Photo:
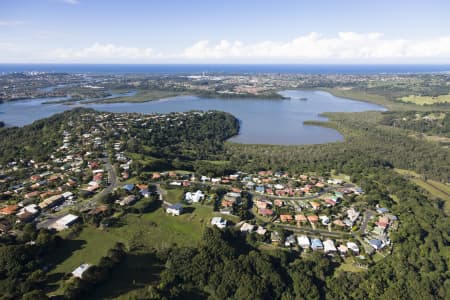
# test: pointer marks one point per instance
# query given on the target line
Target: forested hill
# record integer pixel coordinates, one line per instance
(179, 136)
(367, 141)
(432, 123)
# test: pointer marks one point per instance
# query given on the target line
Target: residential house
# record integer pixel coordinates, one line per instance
(194, 197)
(315, 205)
(352, 246)
(265, 212)
(303, 241)
(5, 226)
(128, 200)
(316, 244)
(286, 218)
(313, 219)
(339, 223)
(278, 203)
(261, 204)
(175, 210)
(261, 230)
(219, 222)
(376, 244)
(275, 237)
(259, 189)
(300, 218)
(289, 241)
(64, 222)
(342, 249)
(9, 210)
(328, 246)
(128, 187)
(247, 228)
(78, 272)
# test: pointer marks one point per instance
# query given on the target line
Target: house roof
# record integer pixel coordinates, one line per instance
(9, 210)
(376, 243)
(316, 243)
(176, 206)
(300, 218)
(265, 211)
(128, 187)
(313, 218)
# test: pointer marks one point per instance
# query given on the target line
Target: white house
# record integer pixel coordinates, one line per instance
(64, 222)
(352, 246)
(175, 210)
(219, 222)
(328, 246)
(290, 241)
(303, 241)
(31, 208)
(78, 272)
(67, 195)
(246, 227)
(194, 197)
(216, 180)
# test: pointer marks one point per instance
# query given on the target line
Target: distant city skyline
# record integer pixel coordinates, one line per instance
(194, 31)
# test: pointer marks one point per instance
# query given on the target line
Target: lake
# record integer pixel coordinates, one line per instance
(263, 121)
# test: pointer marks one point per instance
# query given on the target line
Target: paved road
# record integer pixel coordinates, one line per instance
(367, 215)
(112, 178)
(322, 232)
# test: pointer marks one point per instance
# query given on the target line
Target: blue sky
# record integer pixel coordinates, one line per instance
(245, 31)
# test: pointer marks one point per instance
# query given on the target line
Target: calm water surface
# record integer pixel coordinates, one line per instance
(263, 121)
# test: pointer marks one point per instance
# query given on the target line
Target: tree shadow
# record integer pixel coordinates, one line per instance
(136, 271)
(55, 257)
(188, 210)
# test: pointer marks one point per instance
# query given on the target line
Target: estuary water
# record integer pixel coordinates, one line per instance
(263, 121)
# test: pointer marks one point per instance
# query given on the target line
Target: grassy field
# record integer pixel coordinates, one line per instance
(426, 100)
(142, 233)
(138, 270)
(435, 188)
(173, 195)
(372, 98)
(349, 266)
(141, 96)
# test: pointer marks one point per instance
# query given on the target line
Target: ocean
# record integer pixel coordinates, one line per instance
(225, 68)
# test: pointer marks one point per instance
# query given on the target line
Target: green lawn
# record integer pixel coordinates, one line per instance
(173, 195)
(140, 232)
(426, 100)
(349, 266)
(137, 271)
(141, 96)
(435, 188)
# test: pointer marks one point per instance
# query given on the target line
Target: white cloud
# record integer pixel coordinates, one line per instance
(11, 23)
(103, 52)
(71, 1)
(344, 46)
